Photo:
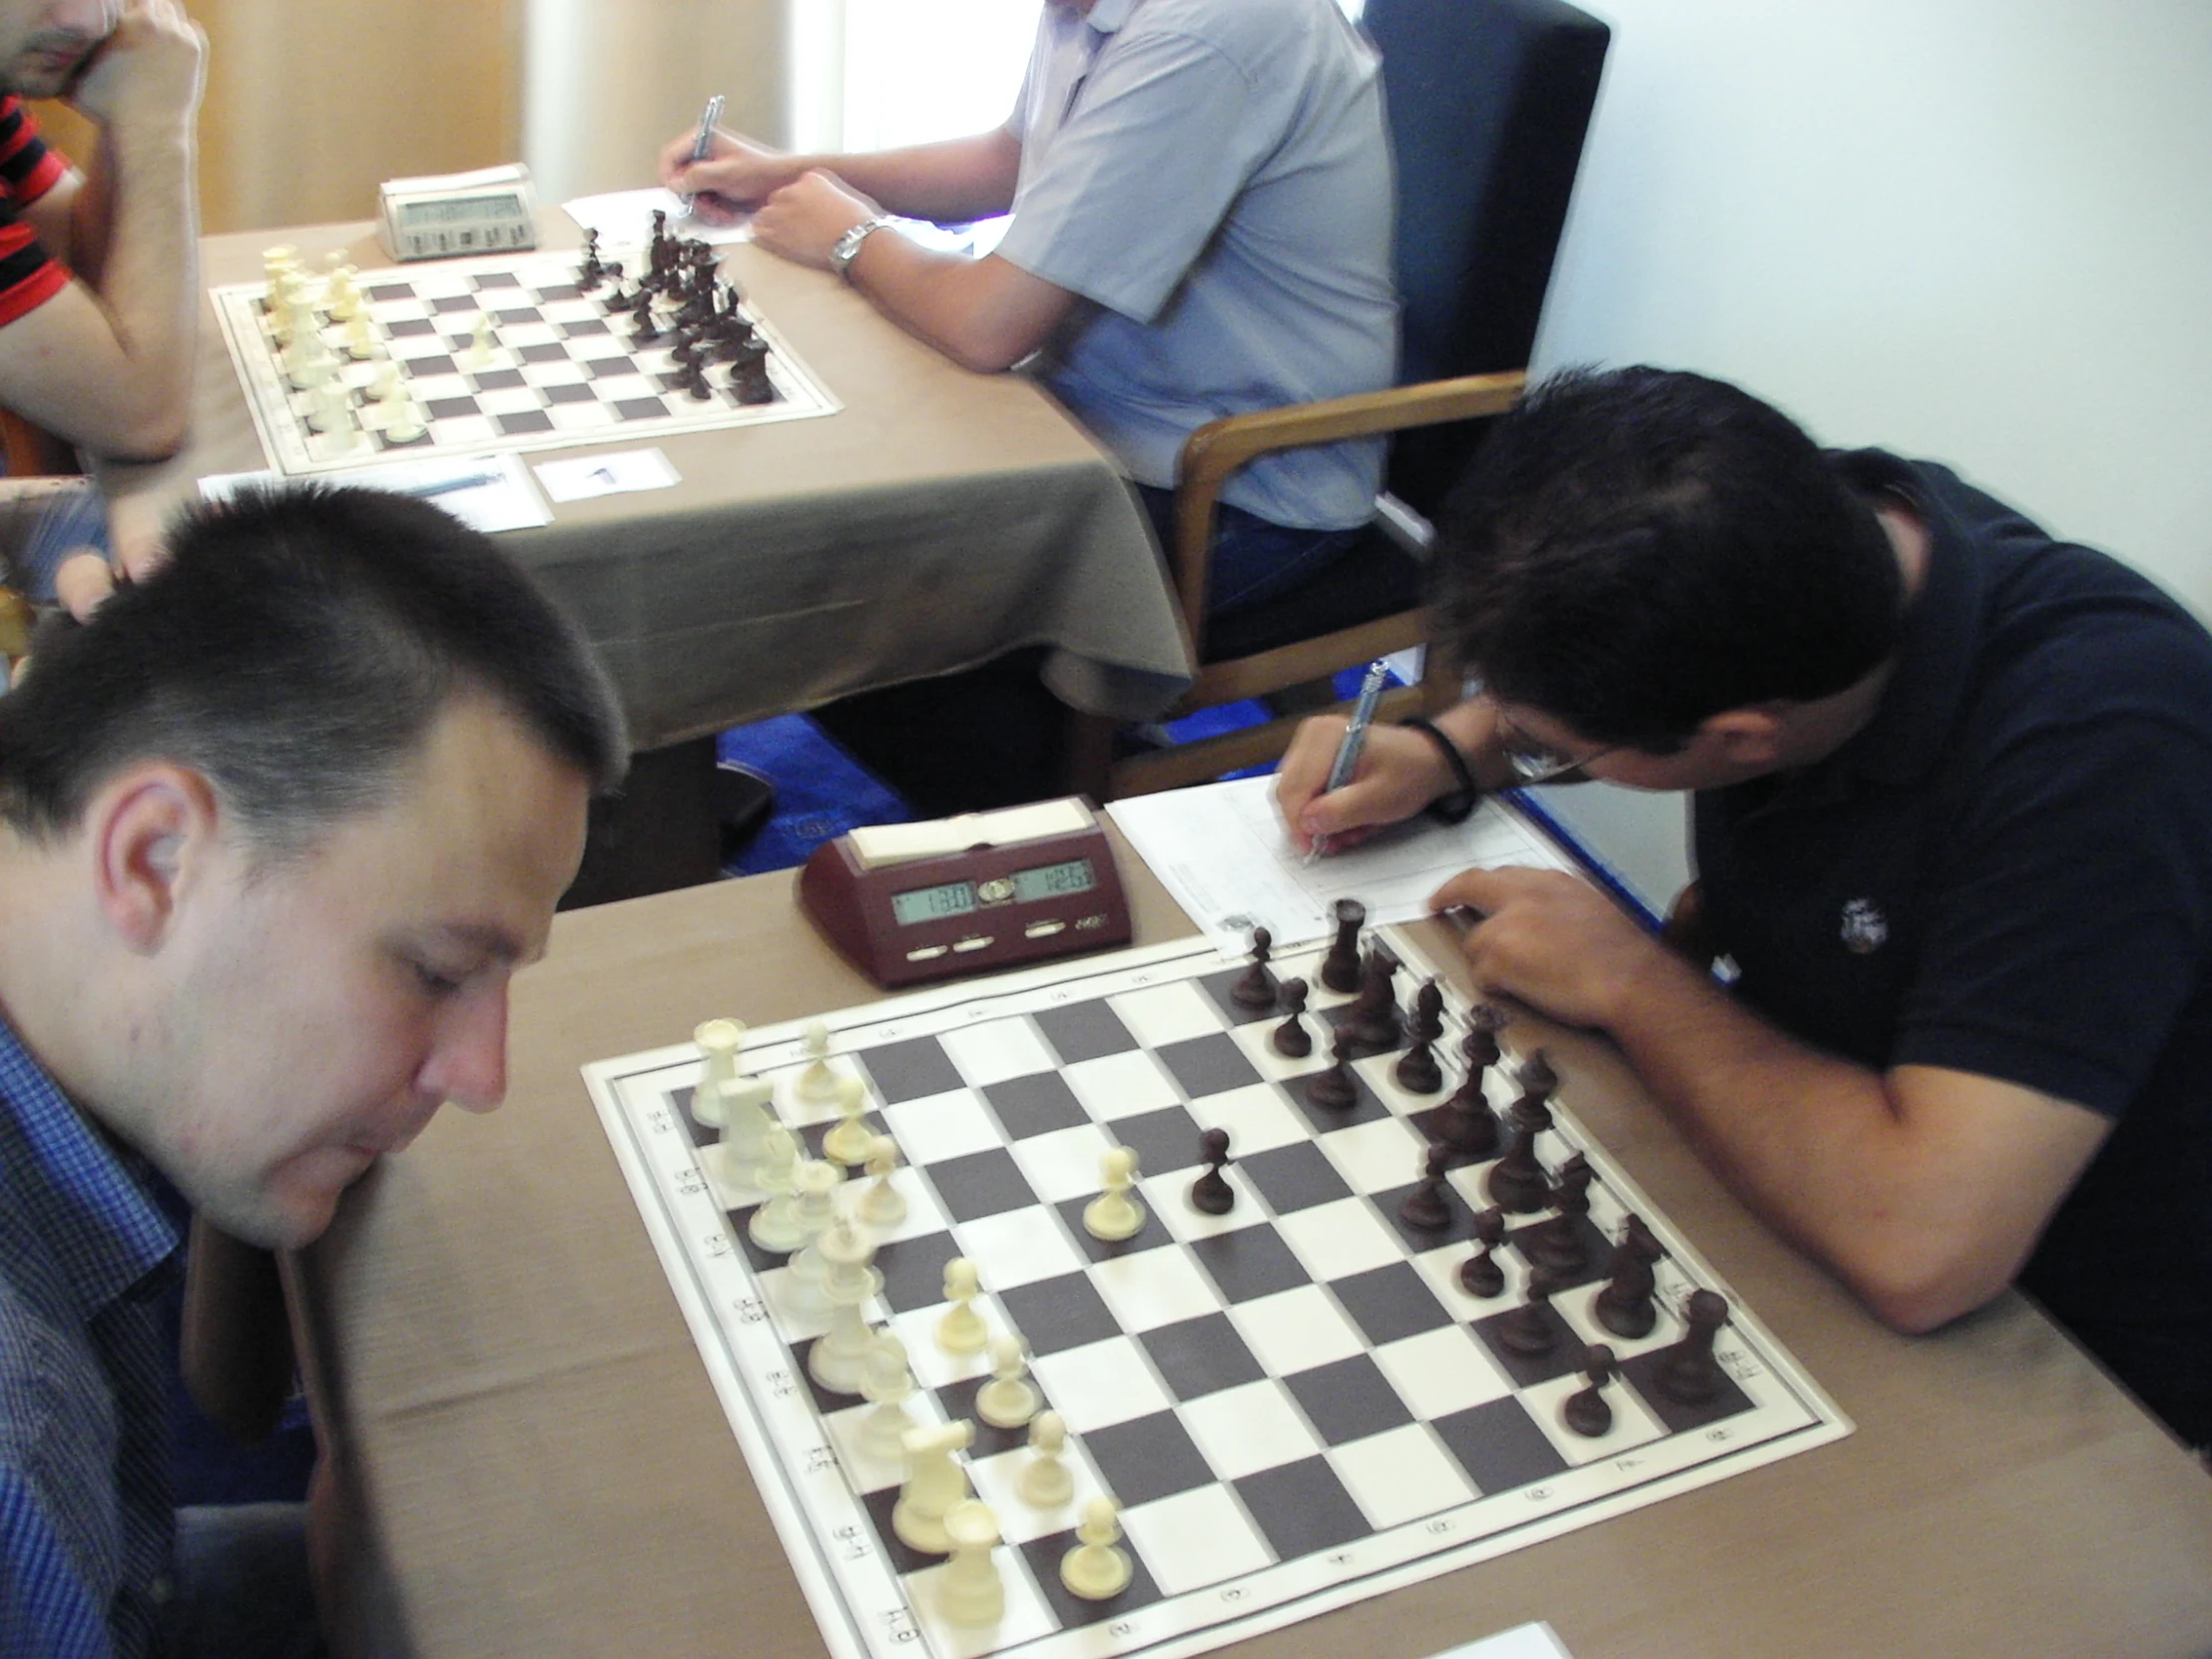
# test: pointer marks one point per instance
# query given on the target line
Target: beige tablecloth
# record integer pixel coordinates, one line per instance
(940, 519)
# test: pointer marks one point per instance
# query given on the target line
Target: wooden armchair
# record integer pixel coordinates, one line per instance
(1490, 102)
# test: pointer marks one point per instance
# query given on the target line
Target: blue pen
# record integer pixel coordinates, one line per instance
(1354, 740)
(703, 146)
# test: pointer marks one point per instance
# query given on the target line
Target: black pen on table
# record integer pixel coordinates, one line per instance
(1354, 740)
(703, 146)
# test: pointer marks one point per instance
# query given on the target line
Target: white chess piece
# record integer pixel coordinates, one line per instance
(719, 1042)
(839, 1361)
(737, 1159)
(405, 425)
(962, 1331)
(934, 1483)
(970, 1594)
(774, 1225)
(814, 1191)
(1097, 1568)
(385, 385)
(852, 1140)
(1114, 1214)
(480, 343)
(361, 340)
(1010, 1398)
(1045, 1481)
(882, 1204)
(817, 1084)
(886, 1385)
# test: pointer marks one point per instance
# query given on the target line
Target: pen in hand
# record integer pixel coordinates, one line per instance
(1355, 739)
(703, 146)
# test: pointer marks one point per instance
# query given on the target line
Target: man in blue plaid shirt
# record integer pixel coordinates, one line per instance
(276, 827)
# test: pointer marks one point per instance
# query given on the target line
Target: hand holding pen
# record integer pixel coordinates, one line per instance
(1354, 741)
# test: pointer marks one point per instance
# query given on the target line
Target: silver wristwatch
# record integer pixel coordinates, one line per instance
(847, 246)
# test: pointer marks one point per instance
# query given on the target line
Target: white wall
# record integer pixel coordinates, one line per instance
(1974, 230)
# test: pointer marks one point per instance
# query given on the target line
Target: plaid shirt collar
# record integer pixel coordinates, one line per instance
(89, 1197)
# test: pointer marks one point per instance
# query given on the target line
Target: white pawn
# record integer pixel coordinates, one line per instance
(852, 1140)
(718, 1040)
(1045, 1481)
(385, 385)
(882, 1204)
(479, 345)
(886, 1385)
(1010, 1398)
(405, 425)
(1114, 1214)
(814, 1191)
(970, 1594)
(962, 1331)
(361, 341)
(774, 1225)
(817, 1084)
(934, 1483)
(1097, 1568)
(839, 1361)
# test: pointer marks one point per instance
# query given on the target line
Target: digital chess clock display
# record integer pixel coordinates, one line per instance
(1023, 887)
(424, 213)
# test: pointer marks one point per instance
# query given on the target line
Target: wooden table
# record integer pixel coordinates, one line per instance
(942, 519)
(536, 1463)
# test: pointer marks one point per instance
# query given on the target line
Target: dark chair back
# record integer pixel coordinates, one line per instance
(1489, 101)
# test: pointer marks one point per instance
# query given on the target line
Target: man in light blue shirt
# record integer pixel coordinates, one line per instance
(1201, 206)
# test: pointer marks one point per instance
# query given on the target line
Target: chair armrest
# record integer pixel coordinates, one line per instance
(1220, 447)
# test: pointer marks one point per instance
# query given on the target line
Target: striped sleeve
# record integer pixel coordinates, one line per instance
(29, 275)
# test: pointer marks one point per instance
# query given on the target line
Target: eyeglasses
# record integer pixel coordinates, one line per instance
(1533, 762)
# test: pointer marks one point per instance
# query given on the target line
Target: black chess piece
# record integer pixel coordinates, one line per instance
(1426, 1206)
(1427, 1023)
(1416, 1070)
(1334, 1090)
(1517, 1182)
(1539, 1082)
(693, 381)
(1560, 1242)
(1625, 1306)
(590, 273)
(1291, 1040)
(1211, 1193)
(1479, 1274)
(1587, 1411)
(1373, 1017)
(1532, 1330)
(1688, 1372)
(1340, 970)
(1255, 989)
(751, 384)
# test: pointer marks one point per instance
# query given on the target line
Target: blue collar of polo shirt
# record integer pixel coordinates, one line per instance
(1108, 16)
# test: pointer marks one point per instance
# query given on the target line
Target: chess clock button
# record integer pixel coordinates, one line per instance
(1043, 930)
(978, 943)
(928, 953)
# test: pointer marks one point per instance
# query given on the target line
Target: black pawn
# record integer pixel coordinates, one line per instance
(1211, 1193)
(1417, 1071)
(1256, 990)
(1334, 1090)
(1372, 1018)
(1340, 970)
(751, 384)
(1688, 1373)
(1625, 1306)
(1426, 1207)
(1517, 1182)
(694, 382)
(1292, 1040)
(1532, 1330)
(1586, 1410)
(1427, 1023)
(1560, 1243)
(1479, 1274)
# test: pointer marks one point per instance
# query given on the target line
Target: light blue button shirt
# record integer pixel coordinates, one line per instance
(1215, 177)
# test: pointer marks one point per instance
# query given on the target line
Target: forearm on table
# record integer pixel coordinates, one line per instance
(985, 315)
(950, 183)
(1831, 1154)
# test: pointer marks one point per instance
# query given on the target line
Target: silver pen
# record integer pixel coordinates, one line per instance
(703, 146)
(1354, 740)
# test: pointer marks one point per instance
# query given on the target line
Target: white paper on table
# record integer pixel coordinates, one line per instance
(485, 492)
(1527, 1642)
(589, 475)
(624, 219)
(1222, 852)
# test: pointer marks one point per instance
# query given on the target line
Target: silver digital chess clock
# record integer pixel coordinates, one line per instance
(491, 211)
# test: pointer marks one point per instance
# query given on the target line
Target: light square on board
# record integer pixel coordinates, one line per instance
(1337, 1239)
(463, 432)
(931, 1366)
(1295, 1330)
(1099, 1384)
(997, 1050)
(1069, 1163)
(1441, 1372)
(507, 400)
(1026, 1617)
(1196, 1538)
(1256, 1119)
(1162, 1014)
(998, 1484)
(1633, 1425)
(1375, 1156)
(1017, 1247)
(1399, 1475)
(943, 1126)
(1153, 1288)
(1245, 1430)
(1258, 1044)
(581, 416)
(1169, 1198)
(1120, 1085)
(866, 1473)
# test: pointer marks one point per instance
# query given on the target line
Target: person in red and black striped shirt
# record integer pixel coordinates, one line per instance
(98, 269)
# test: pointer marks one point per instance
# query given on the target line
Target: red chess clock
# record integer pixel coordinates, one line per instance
(910, 902)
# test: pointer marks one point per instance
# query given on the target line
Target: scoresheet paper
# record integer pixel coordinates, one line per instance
(1221, 851)
(1527, 1641)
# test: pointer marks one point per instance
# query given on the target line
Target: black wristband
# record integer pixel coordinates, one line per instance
(1458, 805)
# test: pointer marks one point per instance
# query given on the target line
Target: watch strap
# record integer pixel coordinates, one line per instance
(847, 246)
(1457, 805)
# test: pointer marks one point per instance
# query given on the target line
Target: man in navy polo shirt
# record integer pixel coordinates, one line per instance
(1954, 826)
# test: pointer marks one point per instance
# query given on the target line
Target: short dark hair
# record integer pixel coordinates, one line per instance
(296, 647)
(1635, 551)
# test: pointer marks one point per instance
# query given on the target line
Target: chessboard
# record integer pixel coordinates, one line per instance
(1275, 1395)
(343, 368)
